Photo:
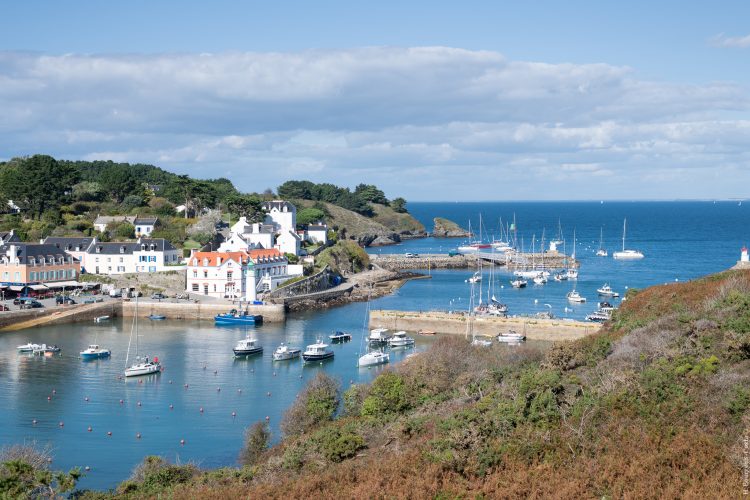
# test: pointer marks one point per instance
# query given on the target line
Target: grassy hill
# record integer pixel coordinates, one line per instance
(654, 405)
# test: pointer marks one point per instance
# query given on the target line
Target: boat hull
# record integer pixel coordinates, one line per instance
(285, 356)
(87, 356)
(339, 339)
(227, 319)
(138, 370)
(373, 359)
(317, 357)
(247, 352)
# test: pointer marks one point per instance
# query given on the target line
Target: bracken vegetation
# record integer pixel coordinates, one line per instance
(655, 405)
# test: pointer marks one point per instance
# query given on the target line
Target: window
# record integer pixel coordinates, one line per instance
(122, 259)
(18, 277)
(152, 269)
(72, 273)
(205, 274)
(229, 275)
(122, 249)
(138, 229)
(32, 276)
(214, 288)
(5, 276)
(195, 274)
(96, 259)
(109, 259)
(205, 289)
(195, 287)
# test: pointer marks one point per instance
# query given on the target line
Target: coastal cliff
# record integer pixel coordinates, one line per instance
(444, 228)
(656, 402)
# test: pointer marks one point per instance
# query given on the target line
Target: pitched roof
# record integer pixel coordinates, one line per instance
(279, 205)
(212, 258)
(106, 219)
(317, 227)
(265, 254)
(148, 221)
(7, 236)
(25, 251)
(128, 247)
(69, 243)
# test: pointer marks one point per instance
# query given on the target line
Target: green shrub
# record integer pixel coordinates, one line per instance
(739, 402)
(293, 458)
(316, 404)
(257, 437)
(338, 443)
(388, 395)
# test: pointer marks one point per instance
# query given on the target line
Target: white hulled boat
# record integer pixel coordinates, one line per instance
(142, 365)
(476, 278)
(378, 335)
(284, 352)
(373, 358)
(317, 352)
(574, 296)
(602, 252)
(400, 339)
(28, 347)
(511, 337)
(626, 254)
(519, 283)
(94, 351)
(247, 347)
(606, 291)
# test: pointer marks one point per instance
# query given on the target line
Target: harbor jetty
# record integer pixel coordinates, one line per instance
(452, 323)
(516, 261)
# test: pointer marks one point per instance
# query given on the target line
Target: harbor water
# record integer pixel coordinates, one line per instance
(681, 241)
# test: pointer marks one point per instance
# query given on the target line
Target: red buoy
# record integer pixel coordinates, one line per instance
(109, 433)
(49, 398)
(182, 442)
(89, 429)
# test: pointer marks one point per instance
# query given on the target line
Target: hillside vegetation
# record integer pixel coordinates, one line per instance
(655, 405)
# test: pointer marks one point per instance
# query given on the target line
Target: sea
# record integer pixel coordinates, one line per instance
(197, 410)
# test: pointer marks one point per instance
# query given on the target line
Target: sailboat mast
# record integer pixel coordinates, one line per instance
(624, 224)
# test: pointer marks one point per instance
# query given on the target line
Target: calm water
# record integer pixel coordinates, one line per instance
(681, 241)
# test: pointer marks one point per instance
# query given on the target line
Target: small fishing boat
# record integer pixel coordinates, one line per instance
(93, 351)
(519, 283)
(378, 336)
(540, 279)
(46, 350)
(606, 307)
(317, 352)
(247, 347)
(373, 358)
(235, 317)
(340, 337)
(157, 317)
(598, 316)
(571, 274)
(284, 352)
(426, 332)
(28, 347)
(574, 296)
(400, 339)
(607, 291)
(511, 337)
(101, 319)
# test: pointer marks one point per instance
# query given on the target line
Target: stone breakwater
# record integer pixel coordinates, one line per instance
(518, 261)
(456, 324)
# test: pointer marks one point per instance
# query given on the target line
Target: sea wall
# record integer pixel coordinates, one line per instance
(396, 262)
(272, 313)
(455, 324)
(18, 320)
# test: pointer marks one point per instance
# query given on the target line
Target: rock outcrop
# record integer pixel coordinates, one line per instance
(445, 228)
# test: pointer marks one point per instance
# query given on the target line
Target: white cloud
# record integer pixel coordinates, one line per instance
(425, 123)
(721, 40)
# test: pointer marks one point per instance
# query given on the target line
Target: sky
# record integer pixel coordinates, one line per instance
(454, 101)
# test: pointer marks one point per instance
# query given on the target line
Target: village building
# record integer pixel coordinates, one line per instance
(27, 268)
(276, 231)
(144, 226)
(317, 233)
(9, 237)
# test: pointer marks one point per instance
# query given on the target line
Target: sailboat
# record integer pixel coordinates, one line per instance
(476, 245)
(142, 366)
(572, 272)
(602, 252)
(371, 357)
(470, 324)
(626, 254)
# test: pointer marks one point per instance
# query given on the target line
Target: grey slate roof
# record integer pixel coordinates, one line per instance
(279, 205)
(25, 251)
(70, 244)
(6, 236)
(128, 247)
(147, 221)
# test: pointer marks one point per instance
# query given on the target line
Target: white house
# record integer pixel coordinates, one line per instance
(317, 233)
(217, 274)
(145, 255)
(276, 231)
(144, 226)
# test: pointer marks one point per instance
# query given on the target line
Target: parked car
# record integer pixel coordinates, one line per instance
(20, 300)
(115, 292)
(64, 299)
(31, 304)
(412, 255)
(158, 296)
(454, 253)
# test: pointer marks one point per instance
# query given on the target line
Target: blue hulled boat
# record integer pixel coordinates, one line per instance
(235, 317)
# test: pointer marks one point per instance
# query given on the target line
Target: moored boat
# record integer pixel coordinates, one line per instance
(373, 358)
(235, 317)
(317, 352)
(157, 317)
(284, 352)
(519, 283)
(94, 351)
(340, 337)
(510, 337)
(143, 366)
(598, 316)
(101, 319)
(574, 296)
(400, 339)
(607, 291)
(481, 341)
(28, 347)
(46, 350)
(626, 254)
(378, 336)
(247, 347)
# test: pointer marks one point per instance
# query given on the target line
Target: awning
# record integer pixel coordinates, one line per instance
(38, 287)
(16, 288)
(63, 284)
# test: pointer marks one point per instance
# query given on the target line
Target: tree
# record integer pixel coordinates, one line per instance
(369, 192)
(309, 215)
(316, 404)
(122, 230)
(118, 181)
(399, 205)
(246, 205)
(257, 437)
(37, 184)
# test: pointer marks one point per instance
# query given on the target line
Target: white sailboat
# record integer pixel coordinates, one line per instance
(372, 357)
(572, 272)
(141, 366)
(626, 254)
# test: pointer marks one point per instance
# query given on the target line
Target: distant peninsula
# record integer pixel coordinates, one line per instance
(444, 228)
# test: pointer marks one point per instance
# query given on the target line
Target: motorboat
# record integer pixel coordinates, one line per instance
(601, 253)
(28, 347)
(101, 319)
(284, 352)
(400, 339)
(574, 296)
(598, 316)
(340, 337)
(540, 279)
(247, 347)
(94, 351)
(606, 307)
(511, 337)
(46, 350)
(626, 254)
(378, 336)
(317, 352)
(491, 309)
(427, 332)
(607, 291)
(373, 358)
(235, 317)
(561, 276)
(143, 366)
(476, 278)
(531, 274)
(157, 317)
(572, 273)
(519, 283)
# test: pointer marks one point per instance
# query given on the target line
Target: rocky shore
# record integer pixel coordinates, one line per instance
(444, 228)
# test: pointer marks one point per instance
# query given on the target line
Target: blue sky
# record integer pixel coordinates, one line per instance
(431, 100)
